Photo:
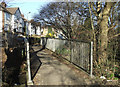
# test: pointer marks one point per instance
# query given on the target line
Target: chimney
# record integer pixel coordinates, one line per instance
(3, 4)
(22, 15)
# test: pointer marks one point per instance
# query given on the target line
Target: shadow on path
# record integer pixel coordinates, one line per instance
(54, 72)
(35, 62)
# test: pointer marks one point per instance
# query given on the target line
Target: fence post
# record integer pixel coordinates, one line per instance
(70, 52)
(91, 59)
(29, 81)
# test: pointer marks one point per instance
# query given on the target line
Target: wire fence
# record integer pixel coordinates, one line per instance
(76, 52)
(17, 52)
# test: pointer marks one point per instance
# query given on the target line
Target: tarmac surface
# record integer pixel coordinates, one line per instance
(54, 72)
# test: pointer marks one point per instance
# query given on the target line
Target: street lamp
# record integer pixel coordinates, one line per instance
(28, 15)
(27, 25)
(29, 81)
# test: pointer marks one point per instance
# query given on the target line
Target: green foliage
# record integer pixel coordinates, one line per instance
(50, 35)
(111, 75)
(63, 51)
(49, 30)
(115, 78)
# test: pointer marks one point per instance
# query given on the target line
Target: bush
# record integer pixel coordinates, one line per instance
(50, 35)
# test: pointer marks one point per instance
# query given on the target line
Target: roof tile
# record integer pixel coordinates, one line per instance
(12, 10)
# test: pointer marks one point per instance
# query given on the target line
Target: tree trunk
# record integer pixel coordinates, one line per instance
(94, 34)
(103, 36)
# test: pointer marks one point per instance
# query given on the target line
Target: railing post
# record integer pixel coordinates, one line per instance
(91, 59)
(70, 52)
(29, 81)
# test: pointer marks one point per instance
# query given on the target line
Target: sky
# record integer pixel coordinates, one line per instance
(32, 6)
(27, 6)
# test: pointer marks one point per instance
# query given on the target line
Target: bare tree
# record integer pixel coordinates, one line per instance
(104, 26)
(63, 15)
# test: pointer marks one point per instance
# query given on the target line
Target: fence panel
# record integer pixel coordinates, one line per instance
(77, 52)
(63, 49)
(81, 55)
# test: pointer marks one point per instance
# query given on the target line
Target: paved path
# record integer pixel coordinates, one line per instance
(54, 72)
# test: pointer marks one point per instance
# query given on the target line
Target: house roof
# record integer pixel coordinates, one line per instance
(3, 9)
(24, 19)
(13, 10)
(34, 22)
(0, 7)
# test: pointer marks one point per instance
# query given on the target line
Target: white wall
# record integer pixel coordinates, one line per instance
(29, 28)
(32, 30)
(7, 21)
(18, 23)
(0, 21)
(38, 30)
(12, 22)
(26, 24)
(52, 44)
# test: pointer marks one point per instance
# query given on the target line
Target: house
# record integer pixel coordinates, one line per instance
(34, 28)
(47, 30)
(58, 33)
(17, 21)
(5, 18)
(38, 30)
(11, 19)
(25, 25)
(44, 31)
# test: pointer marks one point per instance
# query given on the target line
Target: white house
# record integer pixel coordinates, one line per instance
(29, 29)
(34, 28)
(5, 18)
(11, 19)
(38, 30)
(17, 21)
(7, 26)
(25, 24)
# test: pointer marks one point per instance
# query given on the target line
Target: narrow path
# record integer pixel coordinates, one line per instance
(54, 72)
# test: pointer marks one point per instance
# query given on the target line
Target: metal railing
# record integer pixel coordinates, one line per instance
(77, 52)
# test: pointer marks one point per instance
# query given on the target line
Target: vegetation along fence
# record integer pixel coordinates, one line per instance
(77, 52)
